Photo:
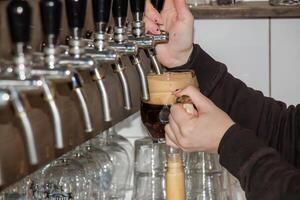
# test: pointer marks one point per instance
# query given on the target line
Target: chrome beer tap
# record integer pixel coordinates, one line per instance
(97, 49)
(74, 57)
(163, 37)
(50, 16)
(122, 46)
(105, 50)
(19, 80)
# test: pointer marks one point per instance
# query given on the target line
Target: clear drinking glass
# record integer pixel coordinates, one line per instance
(93, 178)
(203, 177)
(104, 167)
(120, 161)
(18, 191)
(64, 179)
(149, 170)
(112, 135)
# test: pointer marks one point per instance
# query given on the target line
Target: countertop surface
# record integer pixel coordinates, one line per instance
(245, 10)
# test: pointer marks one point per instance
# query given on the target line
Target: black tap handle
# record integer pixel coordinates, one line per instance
(158, 4)
(101, 10)
(19, 20)
(76, 10)
(137, 6)
(120, 8)
(51, 16)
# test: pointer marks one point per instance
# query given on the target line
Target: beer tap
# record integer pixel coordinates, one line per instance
(74, 58)
(97, 49)
(50, 16)
(19, 81)
(122, 46)
(163, 37)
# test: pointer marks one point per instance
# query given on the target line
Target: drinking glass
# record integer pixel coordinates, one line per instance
(112, 135)
(64, 178)
(120, 161)
(18, 191)
(93, 178)
(203, 177)
(149, 170)
(105, 169)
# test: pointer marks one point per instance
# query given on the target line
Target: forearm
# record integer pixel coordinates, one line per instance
(263, 174)
(270, 120)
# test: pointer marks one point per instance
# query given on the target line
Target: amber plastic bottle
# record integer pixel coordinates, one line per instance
(175, 189)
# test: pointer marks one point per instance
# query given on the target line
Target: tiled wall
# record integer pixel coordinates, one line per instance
(264, 53)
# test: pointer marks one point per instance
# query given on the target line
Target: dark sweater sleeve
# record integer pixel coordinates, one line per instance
(274, 123)
(262, 172)
(265, 154)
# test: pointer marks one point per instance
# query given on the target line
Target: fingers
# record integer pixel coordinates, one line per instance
(201, 102)
(170, 137)
(179, 115)
(150, 26)
(152, 14)
(181, 8)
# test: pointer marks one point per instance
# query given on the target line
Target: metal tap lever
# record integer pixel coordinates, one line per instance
(101, 14)
(143, 42)
(122, 46)
(76, 10)
(14, 87)
(163, 37)
(19, 19)
(51, 16)
(51, 11)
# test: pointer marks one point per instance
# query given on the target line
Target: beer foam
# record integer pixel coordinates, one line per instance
(162, 86)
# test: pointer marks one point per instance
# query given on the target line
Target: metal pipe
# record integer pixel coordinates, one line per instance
(155, 64)
(84, 109)
(104, 96)
(57, 124)
(27, 128)
(125, 87)
(143, 79)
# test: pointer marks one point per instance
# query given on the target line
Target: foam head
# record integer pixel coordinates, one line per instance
(162, 86)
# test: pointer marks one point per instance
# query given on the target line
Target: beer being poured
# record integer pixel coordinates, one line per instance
(155, 115)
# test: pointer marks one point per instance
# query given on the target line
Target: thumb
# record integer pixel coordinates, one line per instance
(201, 102)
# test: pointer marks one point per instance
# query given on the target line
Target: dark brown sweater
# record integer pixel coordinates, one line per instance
(263, 149)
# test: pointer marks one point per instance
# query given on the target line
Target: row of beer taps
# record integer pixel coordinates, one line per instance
(62, 63)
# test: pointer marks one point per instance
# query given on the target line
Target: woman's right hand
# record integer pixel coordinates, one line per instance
(176, 19)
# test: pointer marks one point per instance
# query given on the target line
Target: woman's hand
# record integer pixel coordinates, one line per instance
(176, 19)
(202, 131)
